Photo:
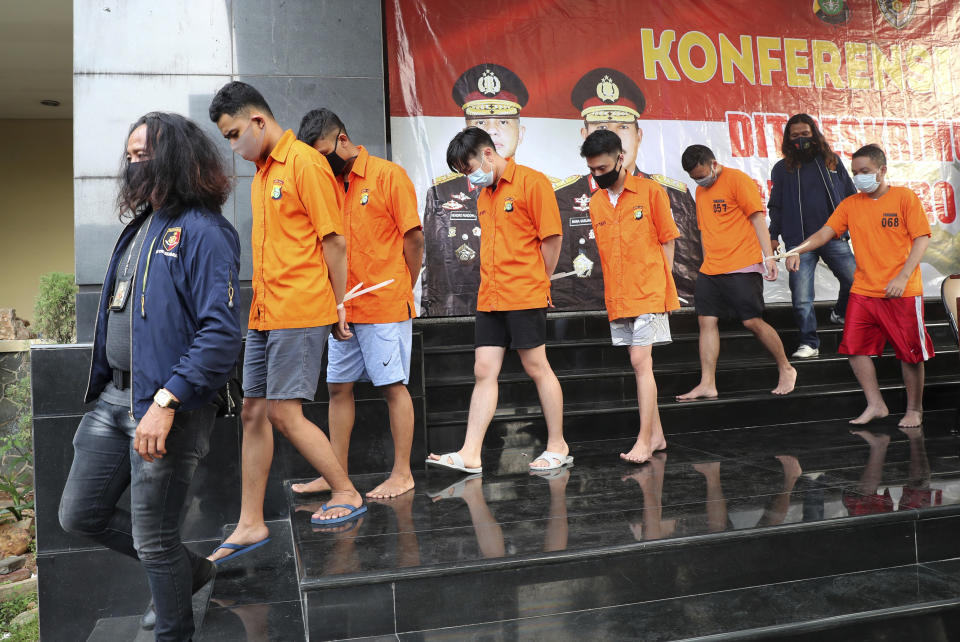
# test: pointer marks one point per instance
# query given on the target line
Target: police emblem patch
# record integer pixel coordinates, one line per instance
(171, 238)
(582, 266)
(508, 204)
(364, 196)
(451, 232)
(276, 193)
(638, 212)
(898, 13)
(465, 253)
(582, 203)
(488, 83)
(607, 90)
(452, 205)
(834, 12)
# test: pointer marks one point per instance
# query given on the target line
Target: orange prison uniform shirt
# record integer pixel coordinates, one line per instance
(515, 216)
(296, 202)
(729, 239)
(882, 232)
(636, 279)
(380, 206)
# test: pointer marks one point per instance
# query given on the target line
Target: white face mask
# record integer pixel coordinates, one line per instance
(247, 145)
(866, 182)
(708, 180)
(480, 178)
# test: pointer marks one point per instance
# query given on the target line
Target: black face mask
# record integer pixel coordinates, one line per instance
(136, 173)
(606, 180)
(806, 146)
(337, 164)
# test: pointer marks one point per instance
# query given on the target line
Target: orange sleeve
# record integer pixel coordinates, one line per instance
(838, 220)
(914, 217)
(748, 196)
(403, 200)
(662, 217)
(543, 206)
(322, 198)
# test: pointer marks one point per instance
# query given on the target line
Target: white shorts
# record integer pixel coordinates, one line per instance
(377, 352)
(645, 330)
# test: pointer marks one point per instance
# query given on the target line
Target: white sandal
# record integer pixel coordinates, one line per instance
(454, 462)
(550, 458)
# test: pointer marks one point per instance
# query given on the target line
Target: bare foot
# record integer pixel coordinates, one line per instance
(912, 419)
(661, 444)
(244, 536)
(791, 467)
(318, 485)
(639, 454)
(348, 497)
(870, 414)
(394, 486)
(788, 379)
(700, 392)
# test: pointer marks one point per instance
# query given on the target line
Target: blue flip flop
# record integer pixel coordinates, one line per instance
(355, 511)
(239, 549)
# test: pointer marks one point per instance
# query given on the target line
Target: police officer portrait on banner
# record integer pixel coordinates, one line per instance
(609, 99)
(491, 97)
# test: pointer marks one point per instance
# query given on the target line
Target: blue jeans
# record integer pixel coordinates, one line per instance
(838, 257)
(104, 465)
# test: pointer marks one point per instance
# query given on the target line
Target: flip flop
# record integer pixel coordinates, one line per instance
(551, 457)
(456, 463)
(710, 398)
(239, 549)
(454, 490)
(355, 511)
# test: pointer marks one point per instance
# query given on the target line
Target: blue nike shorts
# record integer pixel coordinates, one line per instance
(377, 352)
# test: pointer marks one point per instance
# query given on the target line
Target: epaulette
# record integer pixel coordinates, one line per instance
(669, 182)
(559, 183)
(446, 178)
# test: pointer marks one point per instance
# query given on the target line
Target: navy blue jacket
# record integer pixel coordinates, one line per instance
(802, 199)
(185, 310)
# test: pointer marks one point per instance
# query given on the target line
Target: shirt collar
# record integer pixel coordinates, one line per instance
(360, 163)
(509, 170)
(283, 146)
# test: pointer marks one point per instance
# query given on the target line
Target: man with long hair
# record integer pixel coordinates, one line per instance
(808, 184)
(166, 337)
(299, 281)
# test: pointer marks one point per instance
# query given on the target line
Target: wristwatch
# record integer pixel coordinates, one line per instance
(165, 399)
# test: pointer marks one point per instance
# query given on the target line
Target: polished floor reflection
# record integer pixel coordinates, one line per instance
(703, 483)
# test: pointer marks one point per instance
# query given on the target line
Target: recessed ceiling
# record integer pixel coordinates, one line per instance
(36, 59)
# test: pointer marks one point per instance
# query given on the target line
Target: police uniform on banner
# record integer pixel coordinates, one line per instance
(609, 96)
(452, 232)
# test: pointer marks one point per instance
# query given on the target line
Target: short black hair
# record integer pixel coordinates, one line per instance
(602, 141)
(467, 144)
(874, 153)
(696, 155)
(319, 123)
(234, 97)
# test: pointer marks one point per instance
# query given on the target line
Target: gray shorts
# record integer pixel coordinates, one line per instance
(645, 330)
(283, 364)
(377, 352)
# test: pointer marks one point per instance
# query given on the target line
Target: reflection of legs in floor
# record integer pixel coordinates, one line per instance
(343, 557)
(408, 548)
(919, 464)
(489, 533)
(776, 510)
(716, 502)
(650, 480)
(557, 528)
(873, 471)
(253, 617)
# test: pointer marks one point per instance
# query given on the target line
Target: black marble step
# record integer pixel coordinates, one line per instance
(591, 420)
(574, 326)
(618, 382)
(806, 607)
(448, 362)
(513, 546)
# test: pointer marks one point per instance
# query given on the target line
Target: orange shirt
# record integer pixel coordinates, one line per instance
(723, 216)
(295, 202)
(636, 279)
(882, 231)
(515, 215)
(379, 208)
